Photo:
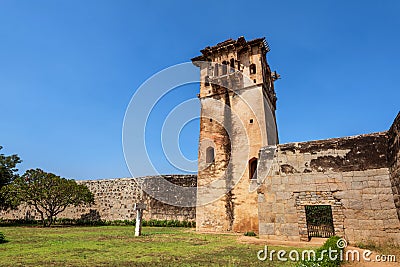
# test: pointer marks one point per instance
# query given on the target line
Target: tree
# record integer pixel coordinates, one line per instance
(48, 193)
(7, 175)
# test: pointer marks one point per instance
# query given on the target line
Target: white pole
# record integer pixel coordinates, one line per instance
(138, 226)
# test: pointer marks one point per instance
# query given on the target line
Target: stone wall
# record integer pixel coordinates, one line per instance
(349, 174)
(115, 199)
(394, 160)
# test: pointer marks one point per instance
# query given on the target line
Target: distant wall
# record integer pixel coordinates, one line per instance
(394, 160)
(350, 174)
(115, 198)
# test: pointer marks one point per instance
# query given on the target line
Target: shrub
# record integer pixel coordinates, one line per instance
(83, 221)
(323, 260)
(2, 238)
(250, 233)
(16, 222)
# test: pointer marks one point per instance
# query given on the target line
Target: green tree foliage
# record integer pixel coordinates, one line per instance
(48, 193)
(7, 175)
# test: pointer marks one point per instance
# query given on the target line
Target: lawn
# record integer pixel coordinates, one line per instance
(117, 246)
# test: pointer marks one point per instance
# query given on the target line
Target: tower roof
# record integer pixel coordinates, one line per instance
(240, 44)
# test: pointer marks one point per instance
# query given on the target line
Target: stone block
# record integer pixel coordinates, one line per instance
(391, 223)
(270, 197)
(384, 181)
(290, 229)
(385, 198)
(267, 228)
(360, 178)
(323, 187)
(355, 204)
(387, 205)
(340, 194)
(268, 218)
(294, 180)
(369, 197)
(278, 208)
(291, 218)
(352, 224)
(357, 185)
(276, 180)
(307, 180)
(369, 190)
(282, 196)
(373, 184)
(280, 218)
(375, 205)
(371, 224)
(359, 174)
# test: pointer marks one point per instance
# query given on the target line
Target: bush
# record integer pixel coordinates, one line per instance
(323, 260)
(250, 233)
(83, 221)
(2, 238)
(16, 222)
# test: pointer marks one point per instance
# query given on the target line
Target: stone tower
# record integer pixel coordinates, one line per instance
(238, 105)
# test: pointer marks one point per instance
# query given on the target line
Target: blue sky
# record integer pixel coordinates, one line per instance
(68, 70)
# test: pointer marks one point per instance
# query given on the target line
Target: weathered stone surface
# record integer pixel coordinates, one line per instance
(362, 152)
(237, 114)
(350, 174)
(394, 160)
(267, 228)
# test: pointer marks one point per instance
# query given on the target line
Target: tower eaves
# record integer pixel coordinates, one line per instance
(239, 44)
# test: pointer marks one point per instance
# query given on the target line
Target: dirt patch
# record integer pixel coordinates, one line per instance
(315, 242)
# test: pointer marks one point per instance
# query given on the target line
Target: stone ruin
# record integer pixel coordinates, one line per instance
(353, 182)
(358, 177)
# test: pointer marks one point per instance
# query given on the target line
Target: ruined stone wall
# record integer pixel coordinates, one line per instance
(350, 174)
(115, 199)
(394, 160)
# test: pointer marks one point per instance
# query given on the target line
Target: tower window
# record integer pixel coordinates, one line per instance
(216, 72)
(253, 168)
(251, 120)
(207, 81)
(224, 67)
(210, 156)
(209, 69)
(232, 65)
(253, 69)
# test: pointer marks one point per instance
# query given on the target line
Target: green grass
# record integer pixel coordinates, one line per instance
(117, 246)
